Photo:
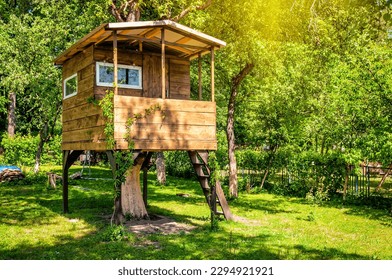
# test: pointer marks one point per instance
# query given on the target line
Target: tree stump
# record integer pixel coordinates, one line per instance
(52, 178)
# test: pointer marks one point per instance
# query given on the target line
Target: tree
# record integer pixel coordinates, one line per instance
(240, 63)
(133, 10)
(32, 35)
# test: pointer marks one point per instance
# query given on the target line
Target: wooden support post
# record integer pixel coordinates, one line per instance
(163, 64)
(200, 78)
(69, 157)
(213, 199)
(115, 63)
(140, 46)
(212, 74)
(112, 162)
(65, 181)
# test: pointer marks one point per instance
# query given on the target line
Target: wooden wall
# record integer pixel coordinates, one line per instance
(177, 74)
(83, 123)
(188, 125)
(179, 125)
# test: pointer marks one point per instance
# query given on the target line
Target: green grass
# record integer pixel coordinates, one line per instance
(32, 225)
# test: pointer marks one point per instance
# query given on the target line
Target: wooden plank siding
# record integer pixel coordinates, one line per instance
(179, 79)
(82, 121)
(177, 74)
(179, 125)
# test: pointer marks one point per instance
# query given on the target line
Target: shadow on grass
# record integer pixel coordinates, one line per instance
(91, 200)
(201, 243)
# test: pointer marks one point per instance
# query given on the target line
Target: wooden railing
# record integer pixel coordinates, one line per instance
(171, 125)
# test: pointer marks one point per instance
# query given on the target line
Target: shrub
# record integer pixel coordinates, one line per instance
(178, 164)
(21, 150)
(115, 233)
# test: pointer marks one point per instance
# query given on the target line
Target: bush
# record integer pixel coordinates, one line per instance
(178, 164)
(52, 152)
(21, 150)
(312, 175)
(115, 233)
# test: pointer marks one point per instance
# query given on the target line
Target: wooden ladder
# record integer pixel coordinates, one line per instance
(214, 195)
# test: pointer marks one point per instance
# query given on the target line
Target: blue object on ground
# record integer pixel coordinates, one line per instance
(10, 167)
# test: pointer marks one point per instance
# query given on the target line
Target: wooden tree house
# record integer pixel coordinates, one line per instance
(151, 63)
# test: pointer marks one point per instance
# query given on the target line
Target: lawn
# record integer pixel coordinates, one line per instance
(32, 225)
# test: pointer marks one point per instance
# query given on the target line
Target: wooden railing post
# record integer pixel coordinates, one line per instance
(115, 63)
(163, 64)
(212, 74)
(200, 78)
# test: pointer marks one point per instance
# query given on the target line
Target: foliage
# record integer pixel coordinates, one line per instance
(319, 91)
(178, 164)
(139, 116)
(21, 149)
(115, 233)
(107, 107)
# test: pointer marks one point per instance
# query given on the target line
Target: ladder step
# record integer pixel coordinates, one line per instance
(203, 176)
(218, 213)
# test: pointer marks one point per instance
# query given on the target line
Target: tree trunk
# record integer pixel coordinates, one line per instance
(38, 155)
(161, 168)
(233, 182)
(11, 115)
(345, 187)
(132, 203)
(271, 160)
(42, 140)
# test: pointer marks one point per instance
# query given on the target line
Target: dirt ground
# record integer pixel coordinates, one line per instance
(158, 224)
(164, 225)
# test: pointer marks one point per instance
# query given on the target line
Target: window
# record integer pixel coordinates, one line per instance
(127, 76)
(71, 86)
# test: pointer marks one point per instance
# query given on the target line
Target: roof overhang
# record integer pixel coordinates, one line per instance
(185, 41)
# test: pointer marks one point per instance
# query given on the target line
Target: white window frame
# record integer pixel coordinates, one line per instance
(138, 68)
(65, 85)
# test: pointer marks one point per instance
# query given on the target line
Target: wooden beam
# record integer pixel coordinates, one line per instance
(212, 74)
(103, 39)
(65, 181)
(184, 47)
(69, 157)
(140, 46)
(183, 40)
(200, 78)
(163, 64)
(112, 162)
(115, 63)
(152, 33)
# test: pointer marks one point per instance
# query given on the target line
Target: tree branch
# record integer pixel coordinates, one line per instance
(128, 11)
(115, 11)
(190, 9)
(242, 74)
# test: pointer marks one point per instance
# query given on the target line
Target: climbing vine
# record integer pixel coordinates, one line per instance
(107, 107)
(136, 117)
(124, 159)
